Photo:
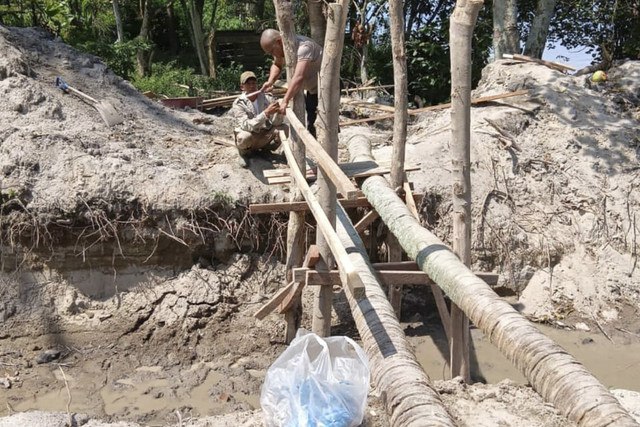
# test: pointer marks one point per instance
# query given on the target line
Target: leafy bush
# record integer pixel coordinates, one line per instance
(167, 76)
(120, 57)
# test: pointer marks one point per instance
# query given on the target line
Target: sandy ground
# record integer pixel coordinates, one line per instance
(131, 270)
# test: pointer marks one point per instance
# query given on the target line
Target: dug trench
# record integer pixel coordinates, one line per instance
(152, 328)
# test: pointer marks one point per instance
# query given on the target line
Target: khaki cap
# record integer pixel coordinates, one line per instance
(246, 76)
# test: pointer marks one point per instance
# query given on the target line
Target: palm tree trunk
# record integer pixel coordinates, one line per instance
(406, 390)
(555, 374)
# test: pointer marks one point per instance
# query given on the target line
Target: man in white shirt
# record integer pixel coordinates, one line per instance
(258, 118)
(305, 76)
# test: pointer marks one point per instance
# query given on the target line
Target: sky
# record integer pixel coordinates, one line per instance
(577, 57)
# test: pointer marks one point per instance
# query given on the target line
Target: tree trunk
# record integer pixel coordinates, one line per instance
(328, 115)
(118, 18)
(364, 59)
(552, 372)
(295, 228)
(463, 20)
(143, 55)
(396, 18)
(195, 13)
(317, 21)
(505, 28)
(537, 39)
(171, 30)
(211, 46)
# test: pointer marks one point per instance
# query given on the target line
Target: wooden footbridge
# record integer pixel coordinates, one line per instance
(339, 256)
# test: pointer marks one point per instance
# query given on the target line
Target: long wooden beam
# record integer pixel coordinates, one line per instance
(329, 167)
(263, 208)
(388, 277)
(480, 100)
(551, 64)
(348, 275)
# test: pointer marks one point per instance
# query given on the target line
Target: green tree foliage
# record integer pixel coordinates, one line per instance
(599, 25)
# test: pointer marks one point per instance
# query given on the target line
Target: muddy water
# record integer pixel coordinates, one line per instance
(149, 396)
(616, 364)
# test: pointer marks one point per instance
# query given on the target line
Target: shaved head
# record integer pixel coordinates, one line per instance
(268, 39)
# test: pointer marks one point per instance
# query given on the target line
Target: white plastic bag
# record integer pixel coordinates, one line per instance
(317, 382)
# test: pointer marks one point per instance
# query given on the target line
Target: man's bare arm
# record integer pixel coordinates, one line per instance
(274, 72)
(295, 85)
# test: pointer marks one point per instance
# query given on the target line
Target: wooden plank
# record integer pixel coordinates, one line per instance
(311, 176)
(281, 296)
(310, 261)
(551, 64)
(348, 274)
(410, 200)
(347, 168)
(273, 303)
(329, 167)
(361, 88)
(389, 277)
(367, 104)
(474, 101)
(263, 208)
(366, 220)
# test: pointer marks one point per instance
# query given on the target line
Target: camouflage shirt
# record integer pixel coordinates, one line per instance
(250, 115)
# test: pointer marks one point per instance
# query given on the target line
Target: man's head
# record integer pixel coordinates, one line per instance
(248, 82)
(271, 42)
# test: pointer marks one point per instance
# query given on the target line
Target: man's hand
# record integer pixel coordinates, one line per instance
(283, 107)
(267, 87)
(272, 109)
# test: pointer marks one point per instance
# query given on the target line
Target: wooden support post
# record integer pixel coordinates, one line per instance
(325, 162)
(285, 297)
(291, 305)
(366, 221)
(327, 126)
(400, 119)
(295, 226)
(348, 275)
(462, 23)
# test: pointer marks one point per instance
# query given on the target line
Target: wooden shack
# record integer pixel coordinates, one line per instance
(241, 47)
